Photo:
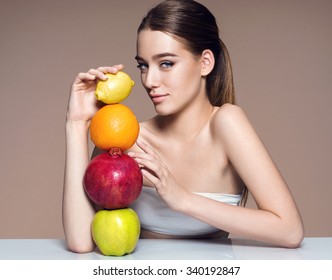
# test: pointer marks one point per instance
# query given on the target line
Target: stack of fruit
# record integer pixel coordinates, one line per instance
(113, 180)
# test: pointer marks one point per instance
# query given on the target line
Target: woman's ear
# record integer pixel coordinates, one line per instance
(207, 59)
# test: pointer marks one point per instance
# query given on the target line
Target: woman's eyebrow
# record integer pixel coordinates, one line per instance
(138, 58)
(157, 56)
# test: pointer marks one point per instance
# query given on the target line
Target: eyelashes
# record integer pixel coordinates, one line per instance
(164, 65)
(142, 66)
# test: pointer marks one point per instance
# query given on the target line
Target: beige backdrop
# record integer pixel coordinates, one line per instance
(281, 52)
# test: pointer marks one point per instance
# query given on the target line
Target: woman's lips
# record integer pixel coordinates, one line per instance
(158, 98)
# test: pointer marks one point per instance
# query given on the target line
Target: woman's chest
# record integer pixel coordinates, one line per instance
(196, 166)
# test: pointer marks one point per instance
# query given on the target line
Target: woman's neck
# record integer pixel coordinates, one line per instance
(186, 124)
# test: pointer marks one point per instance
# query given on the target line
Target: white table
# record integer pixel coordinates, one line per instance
(156, 249)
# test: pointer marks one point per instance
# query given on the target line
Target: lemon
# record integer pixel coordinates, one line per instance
(115, 89)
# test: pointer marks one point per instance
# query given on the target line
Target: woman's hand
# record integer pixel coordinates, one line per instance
(82, 103)
(156, 172)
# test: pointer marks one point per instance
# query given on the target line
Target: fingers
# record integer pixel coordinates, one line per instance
(148, 153)
(98, 73)
(111, 69)
(150, 177)
(148, 162)
(147, 150)
(144, 147)
(85, 77)
(151, 165)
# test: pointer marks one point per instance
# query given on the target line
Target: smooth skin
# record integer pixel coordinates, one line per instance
(190, 146)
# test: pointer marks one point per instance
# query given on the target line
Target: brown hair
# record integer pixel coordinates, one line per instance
(194, 25)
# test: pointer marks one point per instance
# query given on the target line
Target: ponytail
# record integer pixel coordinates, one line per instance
(220, 85)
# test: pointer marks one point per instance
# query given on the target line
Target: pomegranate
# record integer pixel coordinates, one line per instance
(113, 180)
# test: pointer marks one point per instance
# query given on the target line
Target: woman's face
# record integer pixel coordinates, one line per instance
(170, 73)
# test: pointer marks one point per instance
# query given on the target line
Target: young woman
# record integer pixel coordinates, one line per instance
(199, 155)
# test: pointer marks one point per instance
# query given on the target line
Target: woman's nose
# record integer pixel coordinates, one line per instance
(152, 78)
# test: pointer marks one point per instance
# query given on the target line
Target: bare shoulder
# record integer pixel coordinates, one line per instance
(229, 109)
(227, 119)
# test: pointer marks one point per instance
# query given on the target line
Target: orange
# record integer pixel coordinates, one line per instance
(114, 125)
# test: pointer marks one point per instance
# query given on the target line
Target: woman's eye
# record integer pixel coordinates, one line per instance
(142, 66)
(166, 64)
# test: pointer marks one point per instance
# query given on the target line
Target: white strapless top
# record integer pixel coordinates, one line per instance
(157, 217)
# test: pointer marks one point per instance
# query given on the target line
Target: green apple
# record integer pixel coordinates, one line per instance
(116, 232)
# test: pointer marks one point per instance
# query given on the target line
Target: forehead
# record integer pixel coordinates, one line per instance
(151, 42)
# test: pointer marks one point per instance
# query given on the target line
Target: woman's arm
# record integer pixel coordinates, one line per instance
(277, 219)
(77, 210)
